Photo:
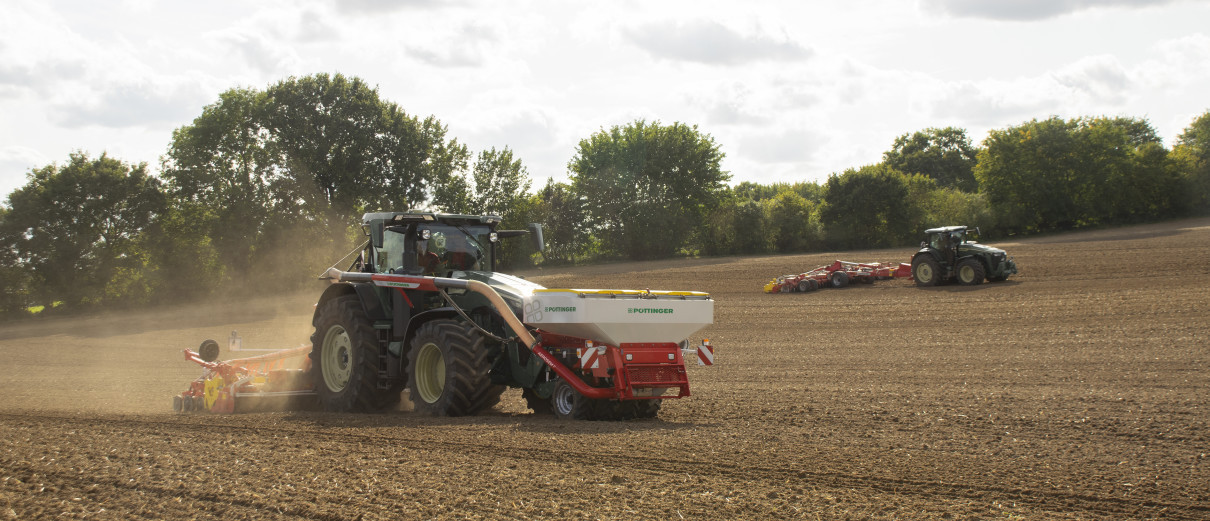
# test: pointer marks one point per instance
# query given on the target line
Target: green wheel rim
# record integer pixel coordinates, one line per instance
(337, 358)
(430, 373)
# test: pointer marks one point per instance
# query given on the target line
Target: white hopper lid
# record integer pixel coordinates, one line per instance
(619, 316)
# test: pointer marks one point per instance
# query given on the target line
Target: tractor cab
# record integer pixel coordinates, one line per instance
(435, 244)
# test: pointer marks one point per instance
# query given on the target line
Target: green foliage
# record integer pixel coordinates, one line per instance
(943, 154)
(1191, 157)
(1056, 175)
(867, 208)
(792, 223)
(282, 175)
(647, 187)
(751, 234)
(950, 206)
(812, 192)
(74, 230)
(501, 183)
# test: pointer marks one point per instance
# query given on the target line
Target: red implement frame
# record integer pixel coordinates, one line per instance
(839, 274)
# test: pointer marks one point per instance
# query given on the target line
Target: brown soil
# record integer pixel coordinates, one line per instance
(1078, 389)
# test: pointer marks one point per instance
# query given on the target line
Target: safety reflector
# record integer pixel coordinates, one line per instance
(705, 353)
(590, 358)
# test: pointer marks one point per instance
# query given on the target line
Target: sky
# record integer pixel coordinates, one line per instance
(790, 90)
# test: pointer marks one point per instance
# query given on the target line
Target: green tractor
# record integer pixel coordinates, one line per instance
(423, 308)
(946, 254)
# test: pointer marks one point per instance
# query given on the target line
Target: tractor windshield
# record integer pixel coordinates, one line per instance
(454, 248)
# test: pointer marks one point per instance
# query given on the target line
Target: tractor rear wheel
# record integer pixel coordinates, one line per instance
(926, 271)
(970, 272)
(345, 361)
(448, 368)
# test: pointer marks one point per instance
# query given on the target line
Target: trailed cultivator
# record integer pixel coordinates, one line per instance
(275, 380)
(423, 309)
(838, 275)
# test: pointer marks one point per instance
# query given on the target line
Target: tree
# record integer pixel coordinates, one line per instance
(74, 229)
(791, 222)
(14, 294)
(1057, 175)
(281, 176)
(501, 183)
(222, 170)
(647, 187)
(348, 149)
(1192, 155)
(944, 154)
(866, 208)
(564, 222)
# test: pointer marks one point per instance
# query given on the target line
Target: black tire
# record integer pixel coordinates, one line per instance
(814, 284)
(971, 272)
(569, 404)
(345, 359)
(926, 270)
(643, 409)
(1001, 278)
(178, 404)
(448, 370)
(804, 286)
(840, 279)
(208, 351)
(537, 403)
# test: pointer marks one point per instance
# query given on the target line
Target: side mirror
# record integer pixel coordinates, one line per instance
(535, 233)
(376, 233)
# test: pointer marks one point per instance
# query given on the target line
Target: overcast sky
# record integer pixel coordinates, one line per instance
(791, 90)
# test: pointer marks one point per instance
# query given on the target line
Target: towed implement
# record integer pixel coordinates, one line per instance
(423, 309)
(838, 275)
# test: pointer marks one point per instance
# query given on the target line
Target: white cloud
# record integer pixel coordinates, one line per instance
(1100, 79)
(711, 42)
(1029, 10)
(134, 104)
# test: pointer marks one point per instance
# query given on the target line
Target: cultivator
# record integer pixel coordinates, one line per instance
(838, 275)
(275, 380)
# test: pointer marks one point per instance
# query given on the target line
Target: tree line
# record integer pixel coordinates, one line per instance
(265, 188)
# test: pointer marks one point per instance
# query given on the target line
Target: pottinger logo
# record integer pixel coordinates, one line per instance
(560, 309)
(649, 310)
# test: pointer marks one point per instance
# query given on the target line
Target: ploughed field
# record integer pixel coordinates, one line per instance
(1078, 389)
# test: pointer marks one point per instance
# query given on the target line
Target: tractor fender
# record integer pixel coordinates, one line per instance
(936, 255)
(420, 318)
(365, 293)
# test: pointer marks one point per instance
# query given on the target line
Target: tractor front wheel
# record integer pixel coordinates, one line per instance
(344, 359)
(448, 368)
(970, 272)
(926, 271)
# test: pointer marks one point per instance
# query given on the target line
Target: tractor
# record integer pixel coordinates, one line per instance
(947, 254)
(422, 308)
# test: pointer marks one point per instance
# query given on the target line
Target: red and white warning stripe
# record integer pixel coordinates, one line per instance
(705, 353)
(590, 357)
